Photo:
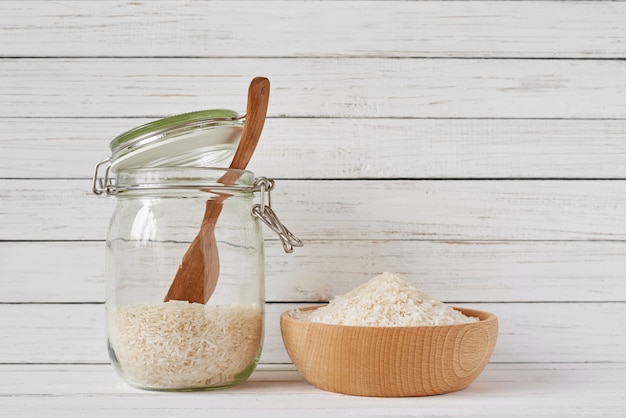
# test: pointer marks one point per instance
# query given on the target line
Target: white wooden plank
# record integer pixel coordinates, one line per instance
(351, 148)
(41, 333)
(327, 28)
(340, 210)
(501, 390)
(529, 332)
(52, 271)
(317, 87)
(461, 271)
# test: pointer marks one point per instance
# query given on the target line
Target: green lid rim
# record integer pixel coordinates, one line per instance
(214, 115)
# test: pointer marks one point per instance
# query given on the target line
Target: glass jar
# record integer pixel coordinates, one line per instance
(178, 345)
(162, 332)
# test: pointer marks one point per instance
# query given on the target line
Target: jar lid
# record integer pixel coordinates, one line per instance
(199, 138)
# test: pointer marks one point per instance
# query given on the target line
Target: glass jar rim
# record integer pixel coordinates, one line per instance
(183, 178)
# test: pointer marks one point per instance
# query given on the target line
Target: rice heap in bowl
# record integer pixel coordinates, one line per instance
(387, 300)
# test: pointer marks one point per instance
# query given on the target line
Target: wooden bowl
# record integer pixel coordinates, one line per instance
(390, 361)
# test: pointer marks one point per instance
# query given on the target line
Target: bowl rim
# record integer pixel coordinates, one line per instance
(483, 317)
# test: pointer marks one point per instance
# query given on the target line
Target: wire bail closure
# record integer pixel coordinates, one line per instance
(102, 184)
(265, 213)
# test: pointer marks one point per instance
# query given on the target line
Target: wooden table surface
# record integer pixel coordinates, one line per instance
(478, 148)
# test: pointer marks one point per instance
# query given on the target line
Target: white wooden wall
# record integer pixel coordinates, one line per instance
(476, 147)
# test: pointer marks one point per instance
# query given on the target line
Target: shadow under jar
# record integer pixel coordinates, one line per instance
(177, 345)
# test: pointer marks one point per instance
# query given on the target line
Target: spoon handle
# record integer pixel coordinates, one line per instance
(258, 101)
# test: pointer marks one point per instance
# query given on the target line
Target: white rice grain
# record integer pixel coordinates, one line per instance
(387, 300)
(182, 345)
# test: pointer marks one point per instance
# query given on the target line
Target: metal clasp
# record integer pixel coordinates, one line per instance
(265, 213)
(102, 184)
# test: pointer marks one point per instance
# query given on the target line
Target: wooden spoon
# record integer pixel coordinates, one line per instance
(199, 270)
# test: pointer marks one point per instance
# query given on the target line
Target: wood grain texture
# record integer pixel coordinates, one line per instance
(453, 271)
(322, 28)
(364, 209)
(324, 148)
(529, 332)
(390, 361)
(317, 87)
